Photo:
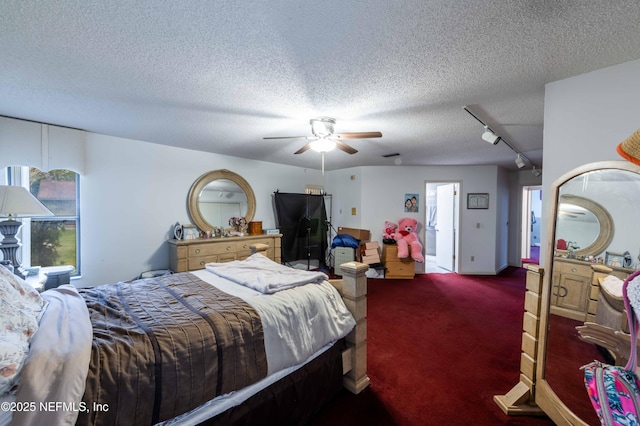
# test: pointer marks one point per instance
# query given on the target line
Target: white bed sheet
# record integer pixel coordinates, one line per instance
(297, 322)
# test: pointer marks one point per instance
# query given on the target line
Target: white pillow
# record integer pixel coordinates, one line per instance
(27, 295)
(17, 327)
(17, 321)
(12, 355)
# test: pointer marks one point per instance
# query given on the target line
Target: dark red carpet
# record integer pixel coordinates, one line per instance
(565, 352)
(440, 347)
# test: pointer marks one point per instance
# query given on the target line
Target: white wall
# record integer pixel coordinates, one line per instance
(377, 193)
(133, 192)
(585, 118)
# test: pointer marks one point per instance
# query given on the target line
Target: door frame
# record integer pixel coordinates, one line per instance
(456, 220)
(525, 231)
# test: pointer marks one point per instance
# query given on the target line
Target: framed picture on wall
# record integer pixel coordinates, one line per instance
(478, 200)
(411, 204)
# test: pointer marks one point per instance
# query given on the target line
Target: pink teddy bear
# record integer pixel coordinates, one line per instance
(406, 237)
(389, 230)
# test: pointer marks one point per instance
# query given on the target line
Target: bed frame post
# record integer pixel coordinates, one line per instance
(353, 289)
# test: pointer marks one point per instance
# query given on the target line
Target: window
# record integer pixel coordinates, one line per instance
(52, 240)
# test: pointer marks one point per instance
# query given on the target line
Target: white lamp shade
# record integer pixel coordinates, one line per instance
(16, 201)
(323, 145)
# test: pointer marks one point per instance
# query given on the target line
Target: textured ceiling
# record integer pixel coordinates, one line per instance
(219, 76)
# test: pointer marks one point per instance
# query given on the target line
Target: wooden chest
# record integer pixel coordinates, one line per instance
(395, 267)
(190, 255)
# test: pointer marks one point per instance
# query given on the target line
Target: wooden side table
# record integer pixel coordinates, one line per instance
(395, 267)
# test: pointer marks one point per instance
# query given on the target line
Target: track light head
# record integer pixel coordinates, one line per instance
(490, 137)
(536, 172)
(520, 162)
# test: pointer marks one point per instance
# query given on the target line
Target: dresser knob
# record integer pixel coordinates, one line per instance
(202, 263)
(197, 251)
(228, 248)
(574, 270)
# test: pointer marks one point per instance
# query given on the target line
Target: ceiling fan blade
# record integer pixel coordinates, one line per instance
(358, 135)
(344, 147)
(303, 149)
(287, 137)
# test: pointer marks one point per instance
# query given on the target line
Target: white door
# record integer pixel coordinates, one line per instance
(445, 236)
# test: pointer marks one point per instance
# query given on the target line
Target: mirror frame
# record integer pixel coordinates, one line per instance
(545, 397)
(204, 180)
(607, 227)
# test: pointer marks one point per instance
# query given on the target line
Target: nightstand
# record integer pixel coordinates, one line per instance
(395, 267)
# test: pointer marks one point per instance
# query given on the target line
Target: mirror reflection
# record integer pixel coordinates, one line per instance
(584, 227)
(220, 200)
(577, 227)
(595, 225)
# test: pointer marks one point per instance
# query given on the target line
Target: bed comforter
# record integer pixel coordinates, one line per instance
(164, 346)
(192, 343)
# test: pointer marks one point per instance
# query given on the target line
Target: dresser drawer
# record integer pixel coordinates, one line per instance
(214, 249)
(572, 268)
(389, 252)
(191, 255)
(404, 269)
(200, 261)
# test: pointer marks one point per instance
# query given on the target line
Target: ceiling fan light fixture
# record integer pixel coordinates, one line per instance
(520, 162)
(323, 145)
(322, 127)
(490, 136)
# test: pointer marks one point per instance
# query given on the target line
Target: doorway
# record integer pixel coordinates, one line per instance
(441, 226)
(530, 235)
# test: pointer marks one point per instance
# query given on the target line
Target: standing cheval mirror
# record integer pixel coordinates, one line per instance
(594, 214)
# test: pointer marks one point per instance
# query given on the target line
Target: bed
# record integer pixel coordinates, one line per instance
(231, 353)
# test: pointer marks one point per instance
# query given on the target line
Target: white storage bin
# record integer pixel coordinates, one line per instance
(342, 255)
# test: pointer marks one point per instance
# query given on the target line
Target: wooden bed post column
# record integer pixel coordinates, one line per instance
(520, 400)
(354, 293)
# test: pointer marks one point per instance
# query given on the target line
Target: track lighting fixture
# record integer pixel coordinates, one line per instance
(521, 160)
(490, 136)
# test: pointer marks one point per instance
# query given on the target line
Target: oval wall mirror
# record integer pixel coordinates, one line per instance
(610, 191)
(219, 195)
(583, 226)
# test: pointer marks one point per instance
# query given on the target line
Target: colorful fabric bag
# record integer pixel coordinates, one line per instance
(614, 391)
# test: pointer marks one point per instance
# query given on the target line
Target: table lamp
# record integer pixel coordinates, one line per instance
(16, 201)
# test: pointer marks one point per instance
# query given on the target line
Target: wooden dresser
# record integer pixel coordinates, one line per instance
(575, 288)
(190, 255)
(395, 267)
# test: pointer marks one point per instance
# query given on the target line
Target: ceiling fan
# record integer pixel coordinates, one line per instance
(324, 139)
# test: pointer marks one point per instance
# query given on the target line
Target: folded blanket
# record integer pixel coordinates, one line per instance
(263, 274)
